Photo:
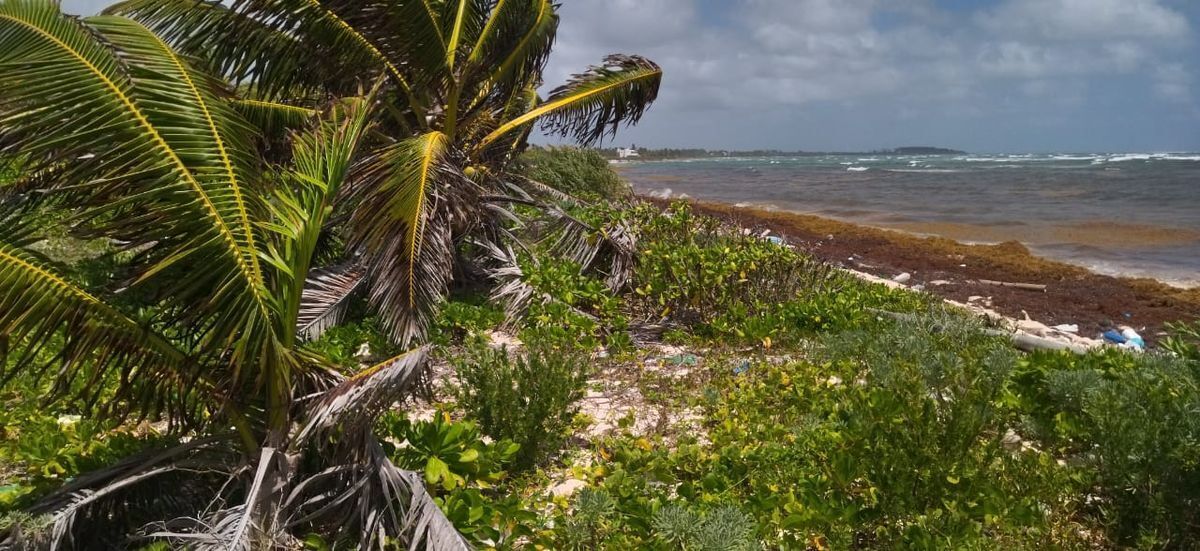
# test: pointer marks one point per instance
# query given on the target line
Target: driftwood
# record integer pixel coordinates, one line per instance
(1020, 339)
(1030, 343)
(1026, 286)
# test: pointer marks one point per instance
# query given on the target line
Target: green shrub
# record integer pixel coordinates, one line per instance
(689, 269)
(1130, 423)
(732, 286)
(1184, 340)
(341, 344)
(463, 472)
(460, 319)
(582, 311)
(889, 436)
(527, 396)
(726, 528)
(580, 172)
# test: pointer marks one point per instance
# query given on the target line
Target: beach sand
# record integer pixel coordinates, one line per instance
(951, 270)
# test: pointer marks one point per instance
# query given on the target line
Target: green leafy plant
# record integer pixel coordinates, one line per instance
(450, 454)
(528, 396)
(1184, 340)
(580, 172)
(592, 521)
(460, 319)
(465, 473)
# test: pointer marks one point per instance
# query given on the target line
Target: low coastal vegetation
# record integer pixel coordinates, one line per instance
(378, 330)
(776, 407)
(577, 171)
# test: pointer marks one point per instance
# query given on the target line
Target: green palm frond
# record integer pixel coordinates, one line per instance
(401, 223)
(464, 20)
(272, 118)
(134, 137)
(276, 47)
(595, 103)
(39, 307)
(516, 43)
(321, 162)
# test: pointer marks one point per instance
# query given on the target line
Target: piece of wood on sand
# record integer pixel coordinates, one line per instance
(1026, 286)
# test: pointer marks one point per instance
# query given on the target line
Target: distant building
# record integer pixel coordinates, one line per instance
(627, 153)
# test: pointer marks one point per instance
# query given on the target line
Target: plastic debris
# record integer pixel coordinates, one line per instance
(775, 239)
(902, 278)
(1133, 338)
(742, 368)
(1114, 337)
(1067, 328)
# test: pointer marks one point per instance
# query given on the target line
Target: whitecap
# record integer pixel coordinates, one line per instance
(1129, 157)
(924, 170)
(857, 168)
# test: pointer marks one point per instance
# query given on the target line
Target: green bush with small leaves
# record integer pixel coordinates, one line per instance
(1130, 423)
(528, 396)
(576, 171)
(343, 343)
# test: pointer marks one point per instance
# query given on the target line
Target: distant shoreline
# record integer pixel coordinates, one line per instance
(689, 154)
(1074, 295)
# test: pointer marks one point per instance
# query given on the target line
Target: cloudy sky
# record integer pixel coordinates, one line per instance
(982, 75)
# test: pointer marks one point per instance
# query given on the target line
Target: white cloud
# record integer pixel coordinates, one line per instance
(1059, 20)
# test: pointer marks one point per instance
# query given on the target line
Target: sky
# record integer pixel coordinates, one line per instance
(821, 75)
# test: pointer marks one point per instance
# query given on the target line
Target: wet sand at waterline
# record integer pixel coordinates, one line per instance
(1073, 294)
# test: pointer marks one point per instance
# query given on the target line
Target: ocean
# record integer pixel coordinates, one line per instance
(1134, 215)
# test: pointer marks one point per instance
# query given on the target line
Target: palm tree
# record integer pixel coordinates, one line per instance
(223, 215)
(459, 101)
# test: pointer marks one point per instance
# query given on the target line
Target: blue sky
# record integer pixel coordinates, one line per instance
(981, 75)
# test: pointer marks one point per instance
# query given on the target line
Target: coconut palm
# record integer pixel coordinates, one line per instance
(459, 101)
(221, 203)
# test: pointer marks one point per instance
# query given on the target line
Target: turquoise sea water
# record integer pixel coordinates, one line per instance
(1119, 214)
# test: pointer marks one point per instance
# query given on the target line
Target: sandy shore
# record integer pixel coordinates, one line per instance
(951, 270)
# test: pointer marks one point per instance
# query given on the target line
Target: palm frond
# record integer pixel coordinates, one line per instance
(404, 234)
(273, 119)
(508, 281)
(326, 298)
(99, 342)
(276, 47)
(463, 21)
(359, 400)
(164, 162)
(90, 506)
(427, 525)
(321, 162)
(595, 103)
(516, 43)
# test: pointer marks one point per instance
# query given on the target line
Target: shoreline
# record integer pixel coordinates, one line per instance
(952, 270)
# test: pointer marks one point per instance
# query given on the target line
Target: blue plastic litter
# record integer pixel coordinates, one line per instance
(1113, 336)
(744, 367)
(775, 239)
